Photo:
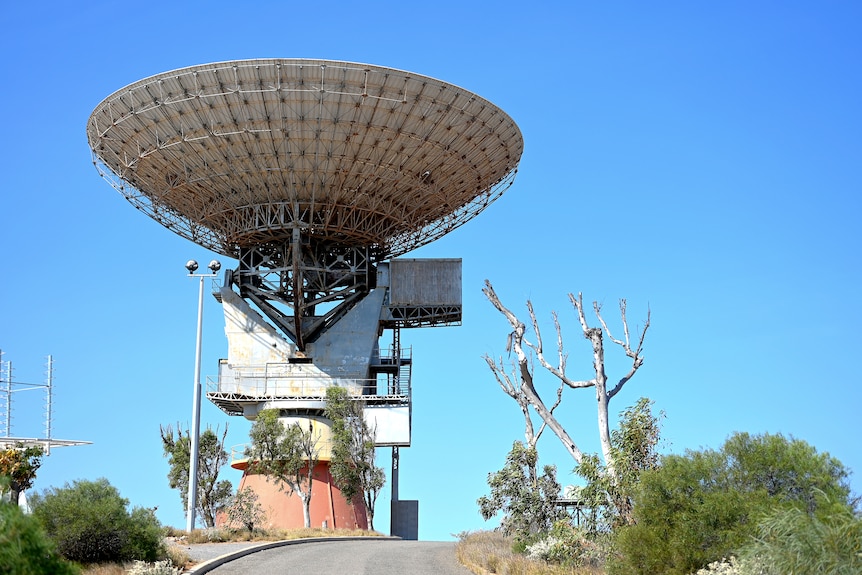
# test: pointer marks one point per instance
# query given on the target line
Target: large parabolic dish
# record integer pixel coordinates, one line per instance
(238, 154)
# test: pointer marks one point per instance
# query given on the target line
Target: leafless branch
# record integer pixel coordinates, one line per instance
(595, 336)
(563, 356)
(509, 388)
(516, 337)
(635, 355)
(578, 303)
(560, 370)
(551, 411)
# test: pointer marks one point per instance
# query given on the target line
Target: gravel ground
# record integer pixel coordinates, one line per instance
(200, 552)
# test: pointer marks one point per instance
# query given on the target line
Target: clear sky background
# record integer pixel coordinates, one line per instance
(701, 159)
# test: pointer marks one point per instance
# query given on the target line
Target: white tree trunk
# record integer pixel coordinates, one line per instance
(526, 388)
(525, 393)
(594, 335)
(306, 507)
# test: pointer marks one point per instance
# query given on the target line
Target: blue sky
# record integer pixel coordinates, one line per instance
(700, 159)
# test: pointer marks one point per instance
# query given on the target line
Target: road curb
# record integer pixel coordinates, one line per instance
(208, 566)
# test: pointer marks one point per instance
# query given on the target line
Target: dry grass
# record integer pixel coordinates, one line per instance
(224, 535)
(180, 558)
(485, 552)
(105, 569)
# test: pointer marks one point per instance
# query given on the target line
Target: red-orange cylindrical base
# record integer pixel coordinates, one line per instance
(329, 509)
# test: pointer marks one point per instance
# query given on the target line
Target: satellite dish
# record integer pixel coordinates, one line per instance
(245, 153)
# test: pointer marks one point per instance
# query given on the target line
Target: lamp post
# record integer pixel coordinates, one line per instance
(192, 498)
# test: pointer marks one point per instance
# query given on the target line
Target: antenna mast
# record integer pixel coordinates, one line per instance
(49, 380)
(9, 386)
(7, 380)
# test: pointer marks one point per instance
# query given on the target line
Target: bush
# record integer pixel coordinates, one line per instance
(491, 552)
(245, 510)
(214, 535)
(571, 546)
(145, 539)
(794, 541)
(24, 547)
(177, 556)
(89, 523)
(701, 507)
(724, 567)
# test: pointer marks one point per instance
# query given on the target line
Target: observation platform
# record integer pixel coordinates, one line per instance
(310, 396)
(238, 388)
(379, 382)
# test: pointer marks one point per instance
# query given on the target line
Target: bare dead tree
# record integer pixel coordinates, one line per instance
(520, 385)
(511, 386)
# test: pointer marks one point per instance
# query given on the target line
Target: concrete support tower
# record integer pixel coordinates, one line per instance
(264, 370)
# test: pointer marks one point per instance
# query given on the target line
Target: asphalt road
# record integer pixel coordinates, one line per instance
(365, 557)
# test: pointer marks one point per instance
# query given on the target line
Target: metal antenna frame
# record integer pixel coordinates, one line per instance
(303, 285)
(11, 386)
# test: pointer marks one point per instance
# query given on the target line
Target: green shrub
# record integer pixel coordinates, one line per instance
(24, 548)
(145, 541)
(795, 541)
(89, 522)
(701, 507)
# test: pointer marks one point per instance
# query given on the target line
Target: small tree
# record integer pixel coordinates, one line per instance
(287, 454)
(245, 510)
(19, 465)
(213, 495)
(526, 499)
(700, 507)
(90, 523)
(353, 454)
(633, 448)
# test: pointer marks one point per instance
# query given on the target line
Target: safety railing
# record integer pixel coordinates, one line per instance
(253, 384)
(238, 455)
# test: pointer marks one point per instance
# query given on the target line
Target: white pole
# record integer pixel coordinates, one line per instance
(8, 398)
(196, 419)
(48, 385)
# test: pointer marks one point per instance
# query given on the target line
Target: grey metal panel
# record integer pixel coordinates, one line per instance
(345, 348)
(405, 519)
(425, 282)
